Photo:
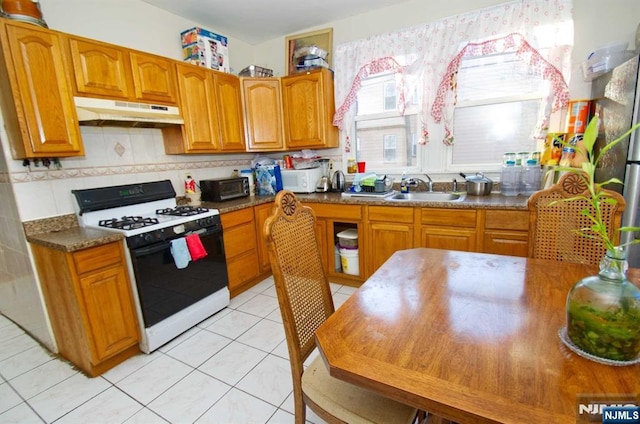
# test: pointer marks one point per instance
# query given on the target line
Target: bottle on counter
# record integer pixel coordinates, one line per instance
(189, 185)
(531, 177)
(352, 167)
(510, 175)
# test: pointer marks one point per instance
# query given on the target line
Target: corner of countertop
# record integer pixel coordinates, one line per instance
(64, 233)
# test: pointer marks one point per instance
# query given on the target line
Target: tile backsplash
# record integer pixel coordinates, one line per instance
(113, 156)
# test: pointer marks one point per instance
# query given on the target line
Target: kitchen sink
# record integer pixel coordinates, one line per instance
(426, 196)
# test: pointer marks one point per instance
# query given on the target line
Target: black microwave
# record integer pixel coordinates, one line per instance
(221, 189)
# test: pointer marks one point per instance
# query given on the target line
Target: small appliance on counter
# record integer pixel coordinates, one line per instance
(324, 183)
(221, 189)
(338, 181)
(301, 180)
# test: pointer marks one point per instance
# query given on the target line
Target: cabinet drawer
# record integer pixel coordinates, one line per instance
(507, 220)
(239, 239)
(232, 219)
(94, 258)
(391, 214)
(336, 212)
(242, 269)
(449, 217)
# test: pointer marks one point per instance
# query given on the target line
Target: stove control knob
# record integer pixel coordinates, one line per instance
(147, 237)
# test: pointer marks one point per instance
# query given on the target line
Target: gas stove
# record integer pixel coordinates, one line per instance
(170, 298)
(139, 208)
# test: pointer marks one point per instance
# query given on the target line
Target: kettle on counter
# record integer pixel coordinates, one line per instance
(338, 181)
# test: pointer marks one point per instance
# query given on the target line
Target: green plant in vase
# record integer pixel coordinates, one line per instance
(603, 311)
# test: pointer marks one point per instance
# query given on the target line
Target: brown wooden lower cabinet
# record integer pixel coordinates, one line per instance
(382, 230)
(389, 229)
(90, 305)
(244, 264)
(262, 212)
(506, 232)
(454, 229)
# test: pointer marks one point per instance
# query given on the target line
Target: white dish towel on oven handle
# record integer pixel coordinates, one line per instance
(180, 252)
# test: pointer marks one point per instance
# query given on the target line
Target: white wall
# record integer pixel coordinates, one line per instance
(133, 24)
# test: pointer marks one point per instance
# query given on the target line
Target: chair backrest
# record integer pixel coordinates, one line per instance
(553, 222)
(301, 284)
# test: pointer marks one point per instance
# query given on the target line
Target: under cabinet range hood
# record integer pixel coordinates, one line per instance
(118, 113)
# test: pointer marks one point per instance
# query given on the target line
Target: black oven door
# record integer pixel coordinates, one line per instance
(164, 289)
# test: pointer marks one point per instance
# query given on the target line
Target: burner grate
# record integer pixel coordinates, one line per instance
(128, 222)
(182, 211)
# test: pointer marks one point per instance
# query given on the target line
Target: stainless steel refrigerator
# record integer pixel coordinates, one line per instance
(616, 100)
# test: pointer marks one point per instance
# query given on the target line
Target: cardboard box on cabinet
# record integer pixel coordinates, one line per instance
(205, 48)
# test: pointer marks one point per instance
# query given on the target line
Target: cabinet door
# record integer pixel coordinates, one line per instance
(390, 229)
(197, 104)
(262, 114)
(229, 101)
(506, 232)
(385, 240)
(100, 69)
(43, 115)
(262, 212)
(154, 78)
(501, 242)
(448, 238)
(109, 312)
(308, 109)
(240, 248)
(454, 229)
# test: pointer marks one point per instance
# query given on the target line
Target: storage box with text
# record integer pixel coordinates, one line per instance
(205, 48)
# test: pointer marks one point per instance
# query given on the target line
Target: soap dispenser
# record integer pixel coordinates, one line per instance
(404, 187)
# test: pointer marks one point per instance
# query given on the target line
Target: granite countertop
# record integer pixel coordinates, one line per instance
(492, 201)
(64, 233)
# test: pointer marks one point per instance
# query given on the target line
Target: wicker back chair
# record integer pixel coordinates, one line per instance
(305, 303)
(552, 225)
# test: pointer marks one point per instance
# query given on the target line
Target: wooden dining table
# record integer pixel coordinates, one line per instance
(470, 337)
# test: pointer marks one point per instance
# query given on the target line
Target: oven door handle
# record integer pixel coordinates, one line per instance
(143, 251)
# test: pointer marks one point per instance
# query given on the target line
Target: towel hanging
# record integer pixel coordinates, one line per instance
(180, 252)
(195, 246)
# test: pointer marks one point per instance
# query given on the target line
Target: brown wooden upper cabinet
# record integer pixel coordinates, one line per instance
(262, 114)
(100, 69)
(108, 71)
(154, 78)
(200, 132)
(228, 98)
(308, 109)
(211, 106)
(39, 114)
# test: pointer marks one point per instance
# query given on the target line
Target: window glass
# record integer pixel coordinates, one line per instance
(497, 109)
(386, 140)
(499, 100)
(390, 147)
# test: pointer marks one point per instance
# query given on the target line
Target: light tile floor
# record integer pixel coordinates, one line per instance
(230, 368)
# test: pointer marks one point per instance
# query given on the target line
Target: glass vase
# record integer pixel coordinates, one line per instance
(603, 311)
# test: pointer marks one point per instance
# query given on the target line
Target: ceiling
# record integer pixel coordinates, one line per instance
(255, 21)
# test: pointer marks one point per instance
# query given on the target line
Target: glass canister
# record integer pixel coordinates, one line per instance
(510, 175)
(352, 166)
(531, 177)
(603, 311)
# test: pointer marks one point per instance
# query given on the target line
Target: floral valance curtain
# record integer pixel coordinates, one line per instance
(428, 56)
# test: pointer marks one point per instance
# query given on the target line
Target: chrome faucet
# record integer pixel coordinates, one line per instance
(415, 182)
